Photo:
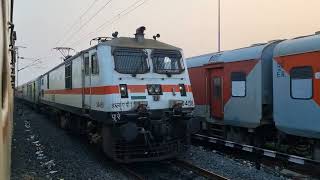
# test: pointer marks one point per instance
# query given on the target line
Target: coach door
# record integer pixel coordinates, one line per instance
(86, 91)
(216, 92)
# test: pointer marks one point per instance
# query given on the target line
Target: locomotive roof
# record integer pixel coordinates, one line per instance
(133, 43)
(123, 42)
(298, 45)
(246, 53)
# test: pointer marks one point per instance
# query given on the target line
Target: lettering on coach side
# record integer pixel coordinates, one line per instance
(122, 105)
(115, 116)
(280, 72)
(188, 103)
(100, 104)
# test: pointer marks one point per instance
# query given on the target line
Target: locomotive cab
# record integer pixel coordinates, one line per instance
(151, 116)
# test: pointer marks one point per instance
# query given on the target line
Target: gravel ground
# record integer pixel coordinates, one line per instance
(163, 171)
(227, 167)
(40, 150)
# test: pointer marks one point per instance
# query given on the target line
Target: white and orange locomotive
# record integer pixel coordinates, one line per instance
(131, 94)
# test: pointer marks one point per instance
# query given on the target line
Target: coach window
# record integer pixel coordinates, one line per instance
(68, 76)
(301, 82)
(86, 64)
(217, 88)
(41, 81)
(94, 64)
(238, 84)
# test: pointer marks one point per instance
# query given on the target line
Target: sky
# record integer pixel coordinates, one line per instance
(191, 25)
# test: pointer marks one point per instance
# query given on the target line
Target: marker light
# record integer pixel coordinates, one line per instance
(182, 89)
(123, 91)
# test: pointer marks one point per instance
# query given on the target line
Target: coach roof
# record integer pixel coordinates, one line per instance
(247, 53)
(298, 45)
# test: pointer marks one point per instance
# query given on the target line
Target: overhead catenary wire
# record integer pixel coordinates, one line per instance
(35, 62)
(112, 20)
(78, 20)
(125, 12)
(117, 17)
(87, 22)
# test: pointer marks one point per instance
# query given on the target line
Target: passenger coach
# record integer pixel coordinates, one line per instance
(265, 95)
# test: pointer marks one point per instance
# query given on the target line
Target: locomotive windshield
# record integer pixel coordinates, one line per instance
(167, 61)
(130, 61)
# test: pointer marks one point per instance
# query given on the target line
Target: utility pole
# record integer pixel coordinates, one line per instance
(17, 52)
(219, 27)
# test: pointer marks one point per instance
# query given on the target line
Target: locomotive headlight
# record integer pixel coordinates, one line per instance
(154, 89)
(182, 89)
(157, 89)
(150, 90)
(123, 91)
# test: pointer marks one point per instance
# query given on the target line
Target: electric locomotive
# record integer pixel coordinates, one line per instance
(131, 94)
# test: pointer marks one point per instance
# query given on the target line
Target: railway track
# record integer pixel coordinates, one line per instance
(198, 170)
(132, 173)
(262, 156)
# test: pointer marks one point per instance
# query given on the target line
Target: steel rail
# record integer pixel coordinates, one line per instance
(253, 149)
(270, 158)
(198, 170)
(131, 172)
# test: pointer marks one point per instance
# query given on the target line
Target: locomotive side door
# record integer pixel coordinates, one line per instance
(216, 93)
(86, 78)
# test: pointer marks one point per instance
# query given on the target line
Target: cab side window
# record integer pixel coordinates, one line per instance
(94, 64)
(86, 64)
(301, 82)
(68, 76)
(48, 81)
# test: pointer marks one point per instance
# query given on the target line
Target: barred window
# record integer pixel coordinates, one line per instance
(301, 82)
(238, 84)
(130, 61)
(94, 64)
(68, 76)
